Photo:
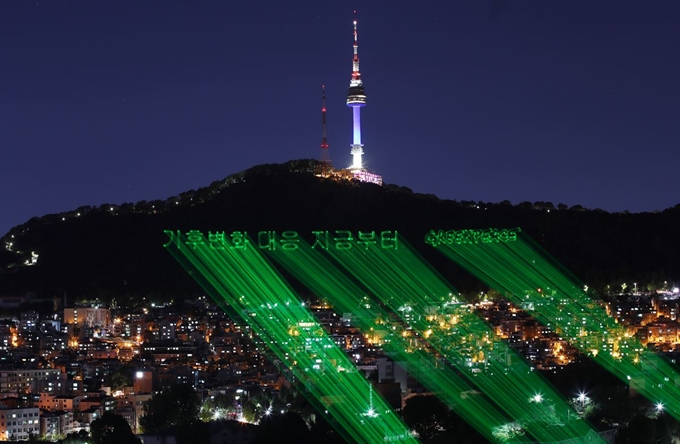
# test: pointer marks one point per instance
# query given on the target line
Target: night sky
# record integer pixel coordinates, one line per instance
(573, 102)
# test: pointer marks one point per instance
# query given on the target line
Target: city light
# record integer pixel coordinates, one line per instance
(659, 407)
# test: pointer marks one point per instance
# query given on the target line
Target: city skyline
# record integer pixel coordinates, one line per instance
(568, 102)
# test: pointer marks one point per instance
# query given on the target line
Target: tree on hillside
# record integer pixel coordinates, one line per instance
(34, 439)
(121, 378)
(112, 429)
(428, 416)
(193, 432)
(286, 428)
(178, 405)
(80, 437)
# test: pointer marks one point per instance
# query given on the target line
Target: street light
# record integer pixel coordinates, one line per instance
(580, 404)
(659, 407)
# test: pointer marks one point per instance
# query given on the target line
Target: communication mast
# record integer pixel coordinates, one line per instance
(325, 157)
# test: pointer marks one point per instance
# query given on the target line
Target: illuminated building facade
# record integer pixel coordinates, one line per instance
(91, 317)
(19, 424)
(30, 380)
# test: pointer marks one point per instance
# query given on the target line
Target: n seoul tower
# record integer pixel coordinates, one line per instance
(356, 98)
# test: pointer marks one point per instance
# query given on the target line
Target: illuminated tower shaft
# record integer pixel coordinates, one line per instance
(356, 98)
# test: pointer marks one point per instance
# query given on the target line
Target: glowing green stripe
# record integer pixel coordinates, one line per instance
(247, 283)
(401, 278)
(322, 277)
(534, 282)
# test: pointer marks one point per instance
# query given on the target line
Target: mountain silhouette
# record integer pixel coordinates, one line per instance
(113, 250)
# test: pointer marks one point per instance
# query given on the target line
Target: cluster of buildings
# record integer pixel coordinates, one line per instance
(652, 318)
(52, 373)
(60, 371)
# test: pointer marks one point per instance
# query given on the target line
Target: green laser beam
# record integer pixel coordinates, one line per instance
(320, 275)
(402, 279)
(534, 281)
(246, 282)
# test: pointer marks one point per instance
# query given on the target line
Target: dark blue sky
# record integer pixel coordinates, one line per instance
(563, 100)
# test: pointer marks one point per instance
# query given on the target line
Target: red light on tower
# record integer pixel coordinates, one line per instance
(325, 158)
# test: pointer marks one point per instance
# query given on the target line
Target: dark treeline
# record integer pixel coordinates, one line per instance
(116, 250)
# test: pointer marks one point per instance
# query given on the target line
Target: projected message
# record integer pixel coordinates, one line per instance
(285, 240)
(460, 237)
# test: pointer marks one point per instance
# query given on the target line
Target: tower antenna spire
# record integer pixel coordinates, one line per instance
(356, 74)
(356, 98)
(325, 158)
